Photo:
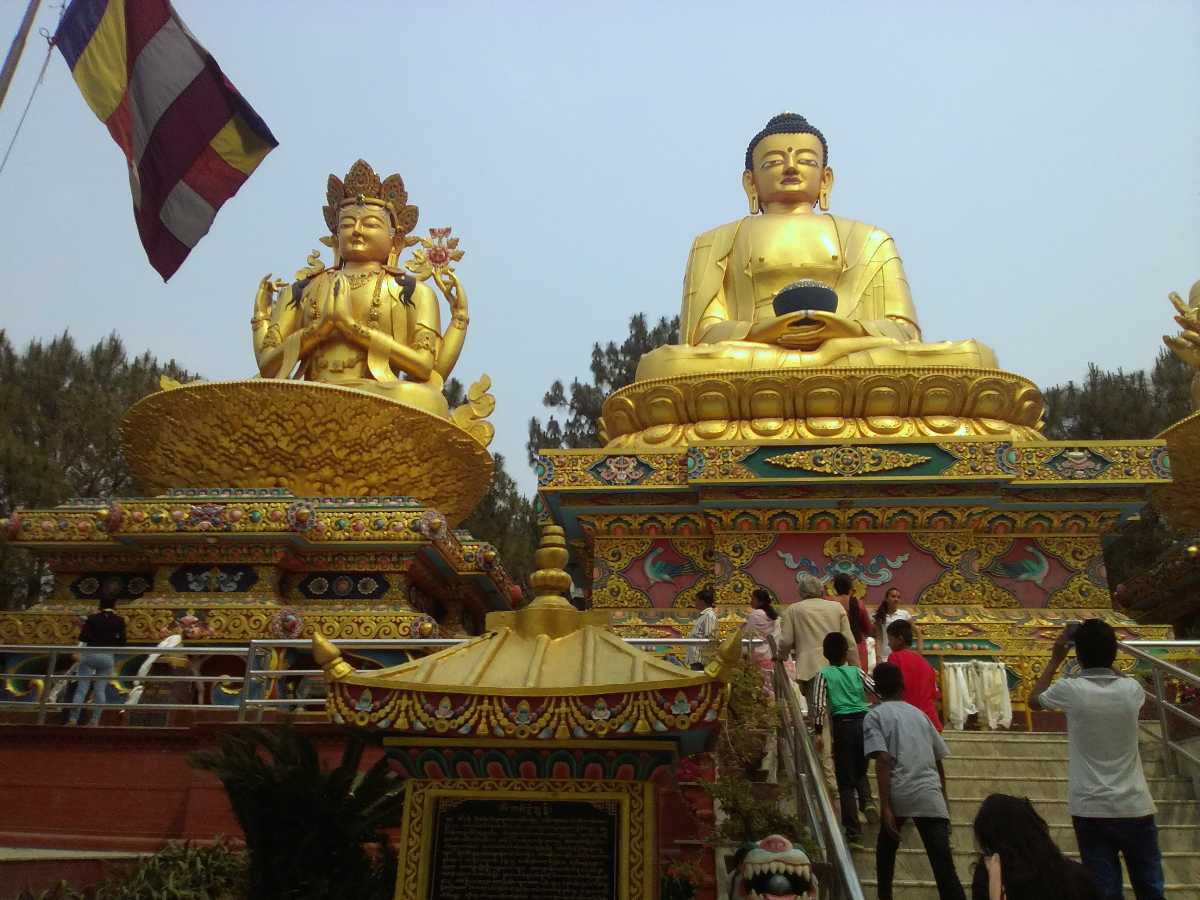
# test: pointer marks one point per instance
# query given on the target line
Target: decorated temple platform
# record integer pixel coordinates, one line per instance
(993, 544)
(233, 565)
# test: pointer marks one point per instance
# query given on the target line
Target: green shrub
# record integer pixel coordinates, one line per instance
(307, 827)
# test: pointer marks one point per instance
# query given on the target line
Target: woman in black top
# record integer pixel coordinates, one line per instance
(101, 629)
(1018, 858)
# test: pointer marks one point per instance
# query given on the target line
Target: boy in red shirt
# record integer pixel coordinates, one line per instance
(920, 680)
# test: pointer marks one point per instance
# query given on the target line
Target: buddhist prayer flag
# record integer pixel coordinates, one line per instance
(189, 138)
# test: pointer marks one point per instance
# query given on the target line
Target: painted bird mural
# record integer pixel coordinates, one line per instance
(1035, 569)
(659, 572)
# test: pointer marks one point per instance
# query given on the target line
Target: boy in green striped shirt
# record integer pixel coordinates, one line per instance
(843, 689)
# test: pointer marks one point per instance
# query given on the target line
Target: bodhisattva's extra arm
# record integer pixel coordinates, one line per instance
(456, 331)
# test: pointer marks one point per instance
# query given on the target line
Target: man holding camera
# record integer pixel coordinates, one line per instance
(1110, 804)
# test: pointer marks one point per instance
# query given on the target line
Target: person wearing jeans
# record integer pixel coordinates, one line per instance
(908, 755)
(101, 629)
(1107, 796)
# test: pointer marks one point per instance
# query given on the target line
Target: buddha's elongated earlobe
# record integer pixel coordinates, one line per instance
(823, 199)
(755, 209)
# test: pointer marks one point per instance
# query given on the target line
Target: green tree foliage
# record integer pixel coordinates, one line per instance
(61, 407)
(1118, 405)
(575, 417)
(307, 826)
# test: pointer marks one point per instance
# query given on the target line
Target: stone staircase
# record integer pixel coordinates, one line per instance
(1034, 765)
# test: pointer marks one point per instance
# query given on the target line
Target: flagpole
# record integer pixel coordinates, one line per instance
(18, 45)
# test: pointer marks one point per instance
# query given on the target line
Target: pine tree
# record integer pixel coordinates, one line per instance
(61, 408)
(579, 407)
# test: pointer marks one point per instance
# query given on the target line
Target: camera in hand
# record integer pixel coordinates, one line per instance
(805, 295)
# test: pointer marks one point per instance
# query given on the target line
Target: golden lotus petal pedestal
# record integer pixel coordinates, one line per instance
(316, 440)
(803, 404)
(1181, 498)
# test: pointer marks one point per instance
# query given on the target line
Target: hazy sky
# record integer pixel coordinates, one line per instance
(1038, 165)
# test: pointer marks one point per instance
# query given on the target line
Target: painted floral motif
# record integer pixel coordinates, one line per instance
(523, 714)
(432, 524)
(1078, 463)
(205, 516)
(621, 470)
(300, 516)
(189, 625)
(543, 468)
(287, 624)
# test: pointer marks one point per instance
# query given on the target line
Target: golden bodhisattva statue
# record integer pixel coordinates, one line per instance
(364, 322)
(352, 361)
(735, 325)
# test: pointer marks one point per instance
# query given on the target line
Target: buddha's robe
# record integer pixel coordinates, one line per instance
(735, 271)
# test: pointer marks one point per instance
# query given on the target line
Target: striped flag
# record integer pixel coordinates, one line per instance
(189, 138)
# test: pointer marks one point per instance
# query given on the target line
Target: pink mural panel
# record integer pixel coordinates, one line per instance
(662, 572)
(888, 560)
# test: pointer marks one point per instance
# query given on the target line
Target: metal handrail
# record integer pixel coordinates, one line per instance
(812, 793)
(252, 675)
(1158, 669)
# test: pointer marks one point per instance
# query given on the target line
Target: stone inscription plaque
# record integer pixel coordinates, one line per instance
(524, 849)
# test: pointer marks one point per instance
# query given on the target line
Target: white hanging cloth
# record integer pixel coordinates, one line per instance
(977, 687)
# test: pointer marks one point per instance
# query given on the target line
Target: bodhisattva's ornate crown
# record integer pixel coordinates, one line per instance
(362, 185)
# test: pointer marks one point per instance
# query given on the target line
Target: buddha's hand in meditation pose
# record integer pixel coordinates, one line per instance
(804, 330)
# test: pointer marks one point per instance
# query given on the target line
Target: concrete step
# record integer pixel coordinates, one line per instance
(1179, 867)
(1008, 744)
(1030, 765)
(1051, 787)
(963, 808)
(1171, 838)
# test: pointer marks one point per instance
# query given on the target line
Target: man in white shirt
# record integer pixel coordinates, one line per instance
(1110, 804)
(704, 627)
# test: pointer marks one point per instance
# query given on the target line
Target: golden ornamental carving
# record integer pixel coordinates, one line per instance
(1080, 592)
(843, 545)
(471, 416)
(1180, 500)
(1186, 344)
(847, 461)
(953, 587)
(246, 434)
(1075, 553)
(780, 406)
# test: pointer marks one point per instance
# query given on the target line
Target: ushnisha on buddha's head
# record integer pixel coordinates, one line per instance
(787, 167)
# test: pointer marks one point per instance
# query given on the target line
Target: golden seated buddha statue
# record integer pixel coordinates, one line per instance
(746, 370)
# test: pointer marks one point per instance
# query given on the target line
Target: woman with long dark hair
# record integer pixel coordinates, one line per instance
(860, 621)
(888, 612)
(1018, 858)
